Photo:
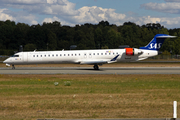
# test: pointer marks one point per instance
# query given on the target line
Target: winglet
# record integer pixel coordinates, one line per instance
(114, 59)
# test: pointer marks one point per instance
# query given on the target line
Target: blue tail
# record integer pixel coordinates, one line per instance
(156, 42)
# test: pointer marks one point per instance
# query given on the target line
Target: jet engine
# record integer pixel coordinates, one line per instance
(133, 51)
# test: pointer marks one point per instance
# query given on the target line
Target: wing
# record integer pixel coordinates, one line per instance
(98, 61)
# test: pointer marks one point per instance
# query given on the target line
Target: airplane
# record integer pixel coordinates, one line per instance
(91, 57)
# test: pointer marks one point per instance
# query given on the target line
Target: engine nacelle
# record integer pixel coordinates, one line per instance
(133, 51)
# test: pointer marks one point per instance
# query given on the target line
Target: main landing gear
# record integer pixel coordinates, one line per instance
(96, 67)
(13, 67)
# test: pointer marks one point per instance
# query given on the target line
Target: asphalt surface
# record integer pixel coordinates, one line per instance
(119, 119)
(90, 70)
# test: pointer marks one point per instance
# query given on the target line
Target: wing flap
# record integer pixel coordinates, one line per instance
(99, 62)
(92, 62)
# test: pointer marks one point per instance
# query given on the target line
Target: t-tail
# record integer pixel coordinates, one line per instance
(157, 42)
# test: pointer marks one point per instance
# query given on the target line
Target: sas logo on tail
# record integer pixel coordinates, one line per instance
(155, 46)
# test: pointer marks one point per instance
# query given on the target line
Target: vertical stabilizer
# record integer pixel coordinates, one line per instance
(157, 42)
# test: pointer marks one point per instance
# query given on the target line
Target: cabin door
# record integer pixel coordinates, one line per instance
(25, 57)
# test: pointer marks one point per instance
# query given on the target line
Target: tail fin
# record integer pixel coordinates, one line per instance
(157, 42)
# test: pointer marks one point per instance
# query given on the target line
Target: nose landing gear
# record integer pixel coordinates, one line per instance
(13, 67)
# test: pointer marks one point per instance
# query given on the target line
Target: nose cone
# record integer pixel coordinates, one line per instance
(6, 61)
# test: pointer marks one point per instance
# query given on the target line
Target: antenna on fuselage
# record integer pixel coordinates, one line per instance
(35, 50)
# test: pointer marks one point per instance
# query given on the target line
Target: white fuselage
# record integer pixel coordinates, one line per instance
(77, 56)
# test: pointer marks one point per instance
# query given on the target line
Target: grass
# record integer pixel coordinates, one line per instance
(88, 96)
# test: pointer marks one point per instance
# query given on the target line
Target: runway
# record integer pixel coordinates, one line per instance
(90, 70)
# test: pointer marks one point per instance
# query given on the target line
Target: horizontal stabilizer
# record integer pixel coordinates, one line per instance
(166, 36)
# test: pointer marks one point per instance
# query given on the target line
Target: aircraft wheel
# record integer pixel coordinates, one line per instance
(96, 67)
(13, 67)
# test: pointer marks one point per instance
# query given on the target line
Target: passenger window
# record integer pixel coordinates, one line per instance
(97, 53)
(72, 54)
(37, 55)
(53, 55)
(105, 53)
(93, 53)
(60, 55)
(109, 53)
(101, 53)
(56, 54)
(49, 55)
(33, 55)
(75, 54)
(64, 54)
(44, 55)
(79, 54)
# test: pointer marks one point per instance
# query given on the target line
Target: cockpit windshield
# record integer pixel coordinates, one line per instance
(15, 56)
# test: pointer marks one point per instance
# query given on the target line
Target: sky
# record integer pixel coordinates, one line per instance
(73, 12)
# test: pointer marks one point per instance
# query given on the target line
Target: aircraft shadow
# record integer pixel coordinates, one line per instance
(88, 69)
(91, 69)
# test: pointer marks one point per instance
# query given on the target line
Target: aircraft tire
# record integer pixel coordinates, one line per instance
(96, 67)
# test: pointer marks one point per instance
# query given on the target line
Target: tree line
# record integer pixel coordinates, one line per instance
(54, 36)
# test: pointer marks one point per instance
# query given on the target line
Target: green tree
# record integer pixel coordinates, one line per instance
(30, 47)
(176, 46)
(81, 46)
(51, 41)
(90, 43)
(98, 37)
(112, 39)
